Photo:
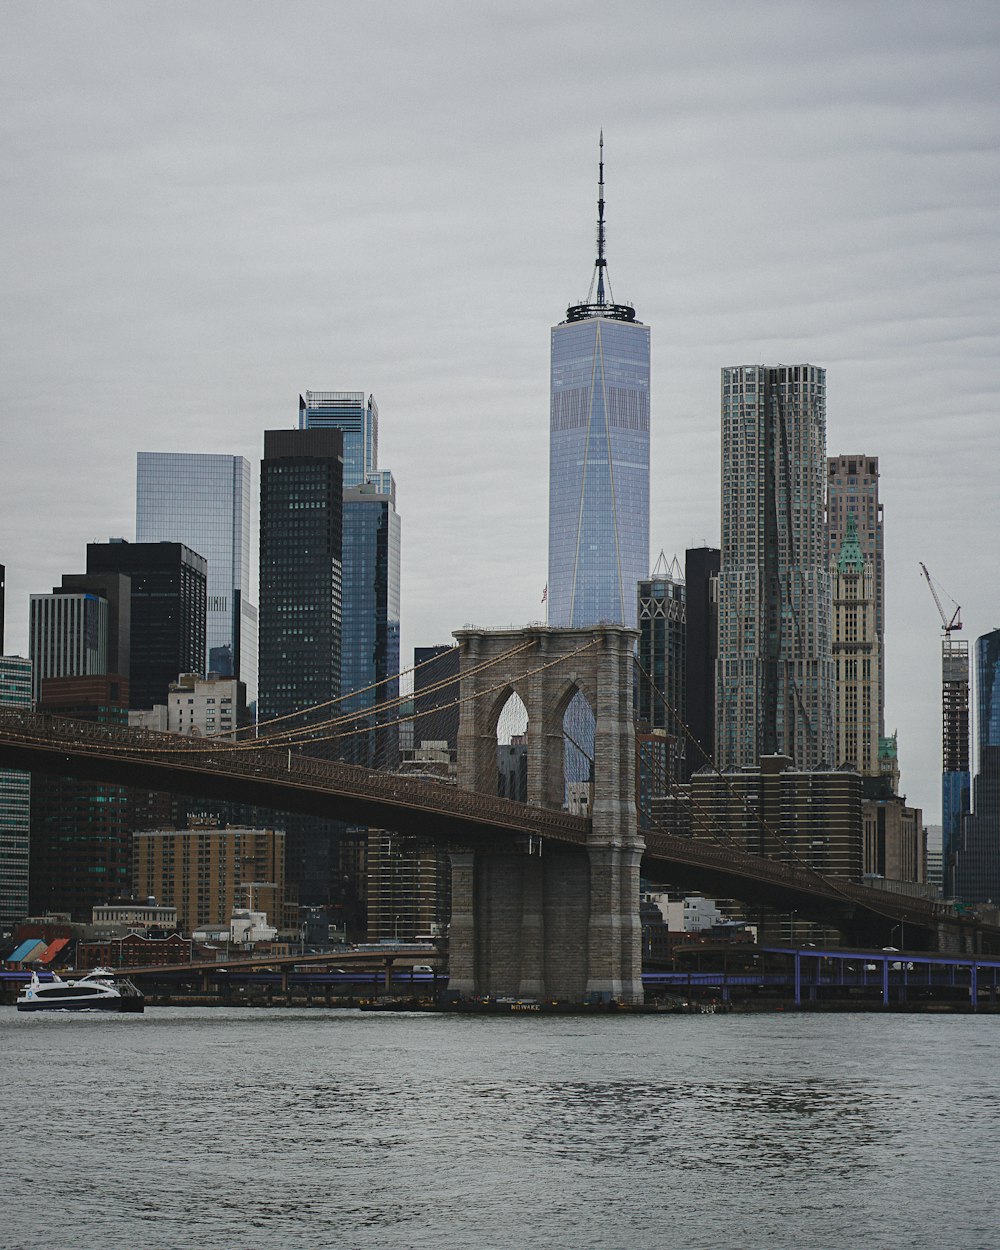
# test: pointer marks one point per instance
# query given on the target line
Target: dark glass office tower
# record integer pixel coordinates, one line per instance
(662, 649)
(301, 524)
(15, 802)
(80, 840)
(167, 631)
(701, 584)
(370, 643)
(977, 872)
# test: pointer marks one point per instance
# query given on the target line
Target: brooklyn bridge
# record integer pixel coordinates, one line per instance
(543, 901)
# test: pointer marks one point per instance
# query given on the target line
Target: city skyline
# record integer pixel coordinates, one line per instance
(235, 264)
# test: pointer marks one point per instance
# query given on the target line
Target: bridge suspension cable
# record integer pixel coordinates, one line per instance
(285, 737)
(282, 743)
(274, 720)
(285, 740)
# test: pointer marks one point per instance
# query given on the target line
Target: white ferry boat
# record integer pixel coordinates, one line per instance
(97, 991)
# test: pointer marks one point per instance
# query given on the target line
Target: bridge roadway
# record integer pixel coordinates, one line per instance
(284, 780)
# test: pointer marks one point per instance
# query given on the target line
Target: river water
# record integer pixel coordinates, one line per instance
(308, 1130)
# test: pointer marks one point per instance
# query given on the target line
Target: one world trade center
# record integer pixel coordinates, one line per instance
(598, 455)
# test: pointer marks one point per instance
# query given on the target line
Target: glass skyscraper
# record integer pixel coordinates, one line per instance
(357, 420)
(977, 872)
(301, 517)
(371, 568)
(203, 501)
(370, 646)
(15, 801)
(598, 456)
(301, 522)
(987, 695)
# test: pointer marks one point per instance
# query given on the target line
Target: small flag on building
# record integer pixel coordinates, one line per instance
(545, 592)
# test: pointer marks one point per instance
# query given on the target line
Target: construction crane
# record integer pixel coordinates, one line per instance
(949, 626)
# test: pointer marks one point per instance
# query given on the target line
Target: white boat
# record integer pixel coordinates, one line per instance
(99, 990)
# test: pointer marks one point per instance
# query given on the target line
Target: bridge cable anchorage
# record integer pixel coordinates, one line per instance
(831, 883)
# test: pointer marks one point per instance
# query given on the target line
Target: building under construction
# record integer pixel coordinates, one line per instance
(956, 771)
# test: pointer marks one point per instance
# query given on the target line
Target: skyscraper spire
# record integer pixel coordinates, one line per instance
(603, 305)
(601, 263)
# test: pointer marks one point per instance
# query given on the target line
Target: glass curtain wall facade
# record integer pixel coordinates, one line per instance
(15, 803)
(370, 645)
(775, 687)
(701, 586)
(598, 470)
(977, 874)
(663, 652)
(356, 419)
(80, 839)
(203, 501)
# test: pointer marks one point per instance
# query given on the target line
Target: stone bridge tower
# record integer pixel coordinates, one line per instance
(564, 923)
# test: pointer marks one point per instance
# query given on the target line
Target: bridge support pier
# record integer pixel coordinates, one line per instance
(563, 924)
(557, 927)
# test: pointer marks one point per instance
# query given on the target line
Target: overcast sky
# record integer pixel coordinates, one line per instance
(208, 208)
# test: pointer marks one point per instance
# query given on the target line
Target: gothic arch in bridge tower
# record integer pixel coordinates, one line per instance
(563, 923)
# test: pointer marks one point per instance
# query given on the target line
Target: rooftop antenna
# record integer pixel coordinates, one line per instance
(603, 305)
(601, 264)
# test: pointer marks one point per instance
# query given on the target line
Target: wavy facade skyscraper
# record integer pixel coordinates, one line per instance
(775, 692)
(598, 455)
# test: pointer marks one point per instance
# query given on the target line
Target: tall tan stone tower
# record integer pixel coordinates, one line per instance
(856, 656)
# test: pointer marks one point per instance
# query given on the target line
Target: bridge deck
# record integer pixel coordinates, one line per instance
(288, 781)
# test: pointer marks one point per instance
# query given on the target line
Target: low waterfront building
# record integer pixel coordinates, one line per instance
(135, 950)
